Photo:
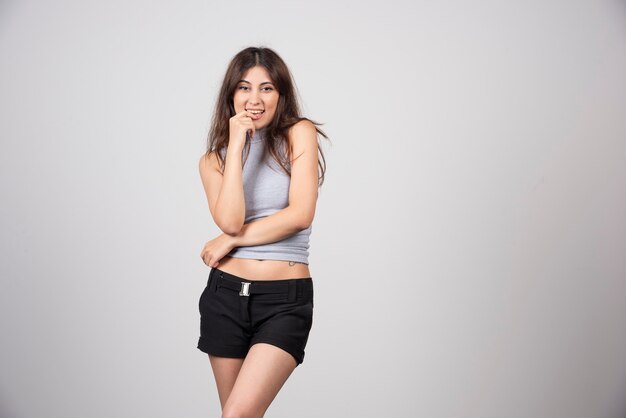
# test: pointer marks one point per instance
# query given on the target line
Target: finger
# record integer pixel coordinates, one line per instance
(249, 115)
(211, 262)
(249, 133)
(244, 114)
(245, 117)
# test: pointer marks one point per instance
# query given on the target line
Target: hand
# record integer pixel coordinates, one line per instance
(215, 249)
(239, 125)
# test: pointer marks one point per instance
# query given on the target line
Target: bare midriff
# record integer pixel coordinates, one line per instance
(253, 269)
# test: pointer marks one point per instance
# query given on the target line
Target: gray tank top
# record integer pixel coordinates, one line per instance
(266, 191)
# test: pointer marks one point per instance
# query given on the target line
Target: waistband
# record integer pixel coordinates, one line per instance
(247, 287)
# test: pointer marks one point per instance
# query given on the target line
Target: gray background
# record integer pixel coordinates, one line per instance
(468, 246)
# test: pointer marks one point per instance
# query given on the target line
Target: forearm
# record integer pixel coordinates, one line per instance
(272, 228)
(231, 201)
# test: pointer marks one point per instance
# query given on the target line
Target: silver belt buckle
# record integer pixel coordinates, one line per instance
(245, 289)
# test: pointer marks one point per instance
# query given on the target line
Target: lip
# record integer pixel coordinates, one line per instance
(257, 117)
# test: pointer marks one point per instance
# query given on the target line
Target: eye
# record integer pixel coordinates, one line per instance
(243, 87)
(268, 89)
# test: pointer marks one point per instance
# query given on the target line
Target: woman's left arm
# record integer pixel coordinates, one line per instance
(303, 191)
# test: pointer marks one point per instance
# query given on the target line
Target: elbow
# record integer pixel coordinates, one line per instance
(302, 219)
(231, 227)
(232, 231)
(304, 223)
(228, 221)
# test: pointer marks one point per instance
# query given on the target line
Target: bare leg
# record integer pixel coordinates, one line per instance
(225, 370)
(263, 373)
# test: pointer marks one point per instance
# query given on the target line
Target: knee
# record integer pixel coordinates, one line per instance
(239, 411)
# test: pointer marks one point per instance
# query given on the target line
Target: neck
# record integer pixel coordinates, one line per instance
(259, 133)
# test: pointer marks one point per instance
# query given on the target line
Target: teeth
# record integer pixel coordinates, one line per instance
(256, 112)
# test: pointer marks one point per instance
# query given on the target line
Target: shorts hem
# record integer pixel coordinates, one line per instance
(220, 351)
(299, 357)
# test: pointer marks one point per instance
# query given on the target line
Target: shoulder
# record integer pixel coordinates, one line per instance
(302, 136)
(303, 127)
(208, 163)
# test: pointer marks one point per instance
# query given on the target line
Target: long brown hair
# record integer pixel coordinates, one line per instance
(287, 111)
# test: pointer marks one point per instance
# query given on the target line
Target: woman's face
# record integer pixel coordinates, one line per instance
(255, 91)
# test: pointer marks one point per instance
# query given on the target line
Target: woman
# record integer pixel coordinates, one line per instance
(260, 175)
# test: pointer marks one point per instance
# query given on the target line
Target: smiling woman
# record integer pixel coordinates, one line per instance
(256, 94)
(261, 179)
(246, 91)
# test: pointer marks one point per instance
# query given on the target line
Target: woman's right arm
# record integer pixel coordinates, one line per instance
(224, 192)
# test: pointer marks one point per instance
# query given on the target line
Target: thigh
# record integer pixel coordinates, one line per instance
(262, 375)
(225, 371)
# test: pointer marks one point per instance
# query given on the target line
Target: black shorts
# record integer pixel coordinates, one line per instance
(236, 313)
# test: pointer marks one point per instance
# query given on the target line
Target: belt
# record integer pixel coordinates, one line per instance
(251, 287)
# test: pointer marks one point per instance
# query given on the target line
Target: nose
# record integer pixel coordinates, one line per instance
(253, 98)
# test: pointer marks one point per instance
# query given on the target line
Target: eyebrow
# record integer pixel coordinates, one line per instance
(265, 82)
